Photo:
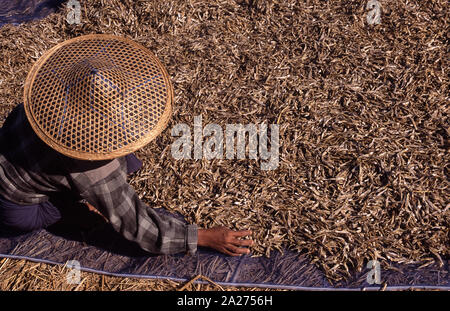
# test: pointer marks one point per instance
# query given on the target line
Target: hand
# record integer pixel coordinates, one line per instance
(93, 209)
(225, 240)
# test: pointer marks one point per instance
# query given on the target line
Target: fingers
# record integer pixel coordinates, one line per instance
(225, 251)
(238, 242)
(238, 234)
(237, 251)
(241, 233)
(232, 253)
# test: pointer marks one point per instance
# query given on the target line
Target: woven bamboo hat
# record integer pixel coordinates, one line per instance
(98, 97)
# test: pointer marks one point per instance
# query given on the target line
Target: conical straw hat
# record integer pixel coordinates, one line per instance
(98, 97)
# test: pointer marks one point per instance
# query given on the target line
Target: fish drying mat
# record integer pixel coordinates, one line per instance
(106, 252)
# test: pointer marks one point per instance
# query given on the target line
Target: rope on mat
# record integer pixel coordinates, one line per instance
(193, 281)
(262, 285)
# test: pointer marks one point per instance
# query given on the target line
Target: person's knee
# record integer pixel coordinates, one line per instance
(18, 218)
(48, 215)
(28, 218)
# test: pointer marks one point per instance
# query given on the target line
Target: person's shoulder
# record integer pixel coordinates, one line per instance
(100, 168)
(92, 172)
(77, 165)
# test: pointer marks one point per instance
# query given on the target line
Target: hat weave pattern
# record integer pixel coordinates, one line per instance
(98, 97)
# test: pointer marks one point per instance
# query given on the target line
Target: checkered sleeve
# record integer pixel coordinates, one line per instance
(137, 222)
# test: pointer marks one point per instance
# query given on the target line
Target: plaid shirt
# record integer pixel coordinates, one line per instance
(30, 171)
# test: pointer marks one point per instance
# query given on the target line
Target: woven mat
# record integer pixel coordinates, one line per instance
(102, 250)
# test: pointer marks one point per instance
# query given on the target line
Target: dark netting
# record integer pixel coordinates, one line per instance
(19, 11)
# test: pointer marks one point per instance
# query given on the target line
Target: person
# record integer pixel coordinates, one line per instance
(89, 103)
